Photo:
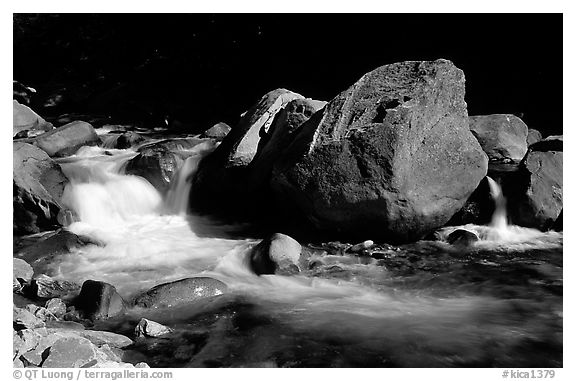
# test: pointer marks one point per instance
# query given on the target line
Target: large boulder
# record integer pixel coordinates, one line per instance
(159, 162)
(535, 192)
(100, 300)
(223, 174)
(179, 292)
(66, 140)
(279, 254)
(502, 136)
(38, 184)
(392, 157)
(27, 120)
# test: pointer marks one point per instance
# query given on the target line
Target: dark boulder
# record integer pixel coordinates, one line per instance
(128, 140)
(66, 140)
(38, 184)
(279, 254)
(99, 300)
(478, 209)
(535, 194)
(158, 162)
(179, 292)
(534, 136)
(559, 224)
(392, 157)
(26, 120)
(217, 131)
(461, 237)
(502, 136)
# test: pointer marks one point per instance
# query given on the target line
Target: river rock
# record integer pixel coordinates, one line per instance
(534, 136)
(26, 120)
(224, 172)
(100, 300)
(551, 143)
(67, 139)
(38, 184)
(502, 136)
(71, 352)
(151, 329)
(46, 287)
(50, 246)
(360, 247)
(128, 140)
(217, 131)
(392, 157)
(179, 292)
(462, 237)
(98, 338)
(535, 194)
(22, 270)
(159, 162)
(279, 254)
(23, 318)
(57, 307)
(41, 312)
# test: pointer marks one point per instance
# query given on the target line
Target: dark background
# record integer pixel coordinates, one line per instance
(198, 69)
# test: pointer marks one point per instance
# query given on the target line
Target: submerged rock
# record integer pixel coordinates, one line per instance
(179, 292)
(38, 184)
(151, 329)
(461, 237)
(100, 300)
(66, 140)
(502, 136)
(279, 254)
(159, 162)
(392, 157)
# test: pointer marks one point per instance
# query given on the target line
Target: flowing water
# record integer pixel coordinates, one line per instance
(495, 303)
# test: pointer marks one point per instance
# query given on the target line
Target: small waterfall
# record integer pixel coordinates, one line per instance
(179, 192)
(499, 218)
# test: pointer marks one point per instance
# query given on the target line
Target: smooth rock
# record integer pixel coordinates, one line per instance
(151, 329)
(359, 247)
(27, 120)
(129, 139)
(100, 300)
(98, 338)
(217, 131)
(279, 254)
(502, 136)
(392, 157)
(179, 292)
(461, 237)
(50, 246)
(38, 184)
(70, 352)
(22, 270)
(67, 139)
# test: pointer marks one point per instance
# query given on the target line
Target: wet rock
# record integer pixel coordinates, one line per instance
(27, 120)
(478, 209)
(179, 292)
(38, 184)
(50, 246)
(66, 140)
(151, 329)
(128, 140)
(159, 162)
(502, 136)
(279, 254)
(551, 143)
(217, 131)
(359, 247)
(23, 318)
(535, 194)
(22, 270)
(461, 237)
(100, 300)
(534, 136)
(70, 352)
(380, 158)
(47, 288)
(57, 307)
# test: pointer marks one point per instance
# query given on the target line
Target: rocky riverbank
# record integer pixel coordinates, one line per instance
(374, 176)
